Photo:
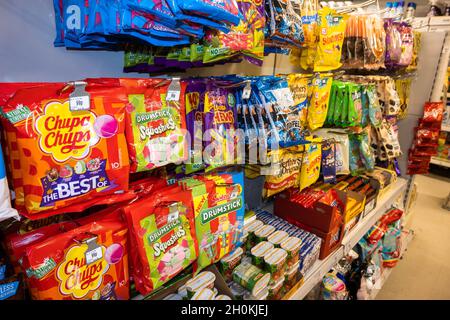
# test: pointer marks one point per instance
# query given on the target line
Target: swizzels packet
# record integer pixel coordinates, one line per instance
(69, 156)
(163, 235)
(331, 37)
(86, 263)
(155, 125)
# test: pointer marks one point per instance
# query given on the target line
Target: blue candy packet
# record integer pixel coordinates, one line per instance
(225, 11)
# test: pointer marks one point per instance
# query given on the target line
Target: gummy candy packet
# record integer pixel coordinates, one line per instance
(393, 43)
(311, 162)
(156, 123)
(99, 249)
(246, 38)
(285, 172)
(309, 16)
(354, 114)
(331, 37)
(195, 98)
(163, 235)
(219, 120)
(70, 156)
(407, 37)
(219, 214)
(375, 43)
(317, 111)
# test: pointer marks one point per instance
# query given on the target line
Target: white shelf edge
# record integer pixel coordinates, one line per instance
(321, 267)
(440, 162)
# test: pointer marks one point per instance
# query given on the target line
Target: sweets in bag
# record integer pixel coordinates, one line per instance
(156, 123)
(86, 263)
(318, 108)
(69, 156)
(310, 170)
(331, 36)
(162, 235)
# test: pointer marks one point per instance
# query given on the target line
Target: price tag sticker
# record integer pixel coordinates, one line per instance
(79, 99)
(94, 252)
(174, 90)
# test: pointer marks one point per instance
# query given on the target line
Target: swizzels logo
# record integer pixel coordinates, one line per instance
(64, 134)
(76, 277)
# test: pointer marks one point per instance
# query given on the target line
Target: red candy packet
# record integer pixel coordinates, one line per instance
(433, 112)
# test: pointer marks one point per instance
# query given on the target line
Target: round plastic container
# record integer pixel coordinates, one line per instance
(237, 291)
(275, 290)
(292, 246)
(277, 238)
(333, 288)
(251, 278)
(229, 262)
(259, 251)
(275, 263)
(291, 276)
(262, 295)
(251, 228)
(204, 279)
(204, 294)
(263, 233)
(173, 296)
(222, 297)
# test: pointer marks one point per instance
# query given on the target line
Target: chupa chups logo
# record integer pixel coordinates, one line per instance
(78, 278)
(64, 134)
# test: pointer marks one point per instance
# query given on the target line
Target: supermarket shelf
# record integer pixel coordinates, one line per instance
(321, 267)
(407, 236)
(445, 128)
(440, 162)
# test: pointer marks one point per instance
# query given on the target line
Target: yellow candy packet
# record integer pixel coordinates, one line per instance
(331, 37)
(311, 161)
(285, 173)
(318, 108)
(298, 83)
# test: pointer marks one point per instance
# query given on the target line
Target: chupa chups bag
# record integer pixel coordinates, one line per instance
(311, 162)
(219, 120)
(86, 263)
(163, 235)
(195, 98)
(219, 214)
(225, 11)
(246, 38)
(317, 111)
(156, 125)
(331, 37)
(70, 156)
(285, 173)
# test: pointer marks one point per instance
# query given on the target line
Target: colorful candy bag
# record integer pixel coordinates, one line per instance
(286, 25)
(225, 11)
(219, 214)
(156, 124)
(393, 43)
(163, 234)
(331, 37)
(284, 173)
(6, 211)
(298, 84)
(407, 37)
(311, 162)
(70, 156)
(219, 120)
(246, 38)
(88, 262)
(309, 16)
(329, 161)
(318, 108)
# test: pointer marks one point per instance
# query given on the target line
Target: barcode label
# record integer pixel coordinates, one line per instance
(94, 255)
(79, 103)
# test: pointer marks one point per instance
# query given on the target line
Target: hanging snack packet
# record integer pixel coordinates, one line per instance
(246, 38)
(393, 43)
(287, 26)
(356, 161)
(365, 120)
(298, 84)
(308, 13)
(392, 100)
(195, 98)
(163, 231)
(156, 124)
(86, 263)
(69, 155)
(225, 11)
(375, 44)
(367, 155)
(375, 112)
(329, 161)
(219, 120)
(403, 88)
(331, 37)
(317, 111)
(354, 114)
(310, 170)
(407, 37)
(286, 173)
(433, 112)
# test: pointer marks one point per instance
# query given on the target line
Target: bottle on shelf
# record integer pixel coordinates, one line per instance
(388, 10)
(400, 10)
(393, 11)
